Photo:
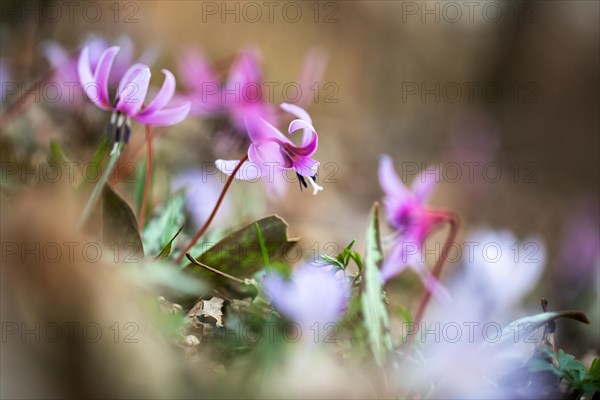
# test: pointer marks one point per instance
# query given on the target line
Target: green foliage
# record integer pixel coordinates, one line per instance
(342, 260)
(119, 223)
(524, 325)
(166, 251)
(374, 313)
(571, 370)
(160, 232)
(239, 253)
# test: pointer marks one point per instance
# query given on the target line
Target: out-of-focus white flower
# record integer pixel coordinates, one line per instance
(502, 269)
(460, 341)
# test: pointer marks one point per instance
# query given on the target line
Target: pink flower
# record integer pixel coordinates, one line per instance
(132, 90)
(240, 95)
(65, 64)
(271, 151)
(406, 213)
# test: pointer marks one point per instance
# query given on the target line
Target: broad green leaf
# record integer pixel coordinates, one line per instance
(160, 231)
(374, 313)
(524, 325)
(120, 226)
(261, 243)
(239, 253)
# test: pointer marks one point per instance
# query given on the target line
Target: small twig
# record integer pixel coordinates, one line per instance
(216, 271)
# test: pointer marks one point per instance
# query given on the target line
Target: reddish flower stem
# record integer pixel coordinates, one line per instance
(147, 178)
(453, 221)
(212, 214)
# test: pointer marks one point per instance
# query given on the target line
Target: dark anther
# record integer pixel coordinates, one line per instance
(127, 133)
(302, 181)
(118, 133)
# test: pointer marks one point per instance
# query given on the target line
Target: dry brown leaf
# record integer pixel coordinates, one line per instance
(209, 308)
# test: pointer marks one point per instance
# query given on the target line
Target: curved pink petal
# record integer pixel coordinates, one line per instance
(102, 73)
(307, 167)
(196, 72)
(261, 131)
(86, 78)
(131, 72)
(131, 97)
(307, 130)
(432, 285)
(423, 184)
(299, 112)
(397, 261)
(313, 67)
(163, 97)
(249, 171)
(245, 70)
(389, 180)
(309, 148)
(269, 155)
(165, 116)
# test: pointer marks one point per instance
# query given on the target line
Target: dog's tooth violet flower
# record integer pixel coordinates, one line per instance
(406, 213)
(131, 92)
(271, 150)
(313, 295)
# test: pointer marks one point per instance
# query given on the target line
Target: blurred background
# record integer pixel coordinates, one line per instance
(502, 97)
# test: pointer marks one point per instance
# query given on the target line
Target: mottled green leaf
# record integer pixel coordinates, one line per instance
(239, 253)
(374, 313)
(120, 226)
(160, 231)
(523, 326)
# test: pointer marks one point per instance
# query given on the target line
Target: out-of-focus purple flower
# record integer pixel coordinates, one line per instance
(314, 295)
(271, 150)
(505, 269)
(498, 272)
(202, 192)
(65, 64)
(130, 95)
(465, 355)
(240, 95)
(406, 213)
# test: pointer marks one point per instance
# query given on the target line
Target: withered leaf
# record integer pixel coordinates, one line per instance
(209, 308)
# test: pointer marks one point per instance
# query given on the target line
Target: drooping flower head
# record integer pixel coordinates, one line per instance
(313, 295)
(406, 213)
(271, 150)
(130, 94)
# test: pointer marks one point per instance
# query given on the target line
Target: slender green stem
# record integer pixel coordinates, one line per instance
(147, 179)
(89, 206)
